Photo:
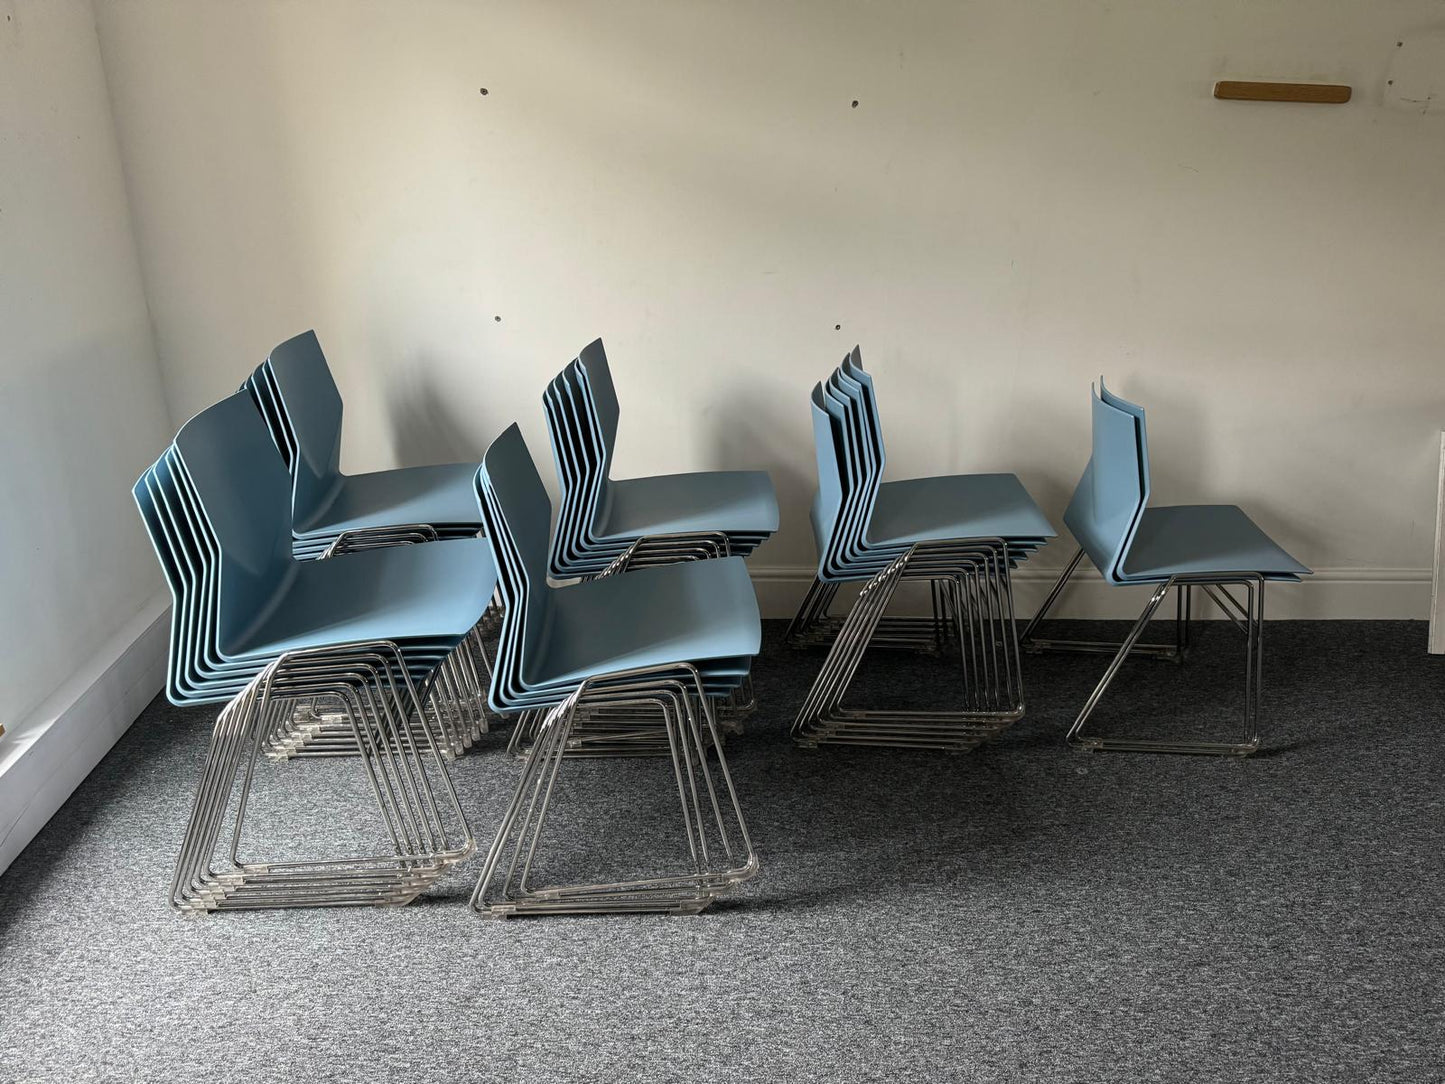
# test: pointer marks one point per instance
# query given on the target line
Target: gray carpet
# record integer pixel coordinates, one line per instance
(1023, 912)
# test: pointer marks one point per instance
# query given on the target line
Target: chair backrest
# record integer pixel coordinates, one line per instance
(508, 479)
(599, 389)
(828, 504)
(245, 495)
(1105, 508)
(313, 409)
(1137, 413)
(852, 368)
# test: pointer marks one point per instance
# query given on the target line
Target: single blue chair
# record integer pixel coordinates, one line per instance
(251, 625)
(1213, 547)
(297, 396)
(602, 517)
(669, 640)
(962, 534)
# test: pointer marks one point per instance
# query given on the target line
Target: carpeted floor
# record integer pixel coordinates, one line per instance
(1023, 912)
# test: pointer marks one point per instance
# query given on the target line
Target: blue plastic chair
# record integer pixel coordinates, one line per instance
(960, 533)
(1213, 547)
(297, 396)
(256, 628)
(602, 517)
(669, 639)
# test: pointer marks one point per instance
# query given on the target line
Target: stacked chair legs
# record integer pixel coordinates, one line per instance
(721, 854)
(630, 660)
(422, 829)
(971, 582)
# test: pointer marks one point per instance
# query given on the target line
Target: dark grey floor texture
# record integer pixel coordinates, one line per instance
(1024, 912)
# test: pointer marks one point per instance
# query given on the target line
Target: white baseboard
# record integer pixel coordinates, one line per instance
(1331, 593)
(45, 757)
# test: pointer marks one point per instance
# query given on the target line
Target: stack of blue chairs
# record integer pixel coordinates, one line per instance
(652, 520)
(1216, 548)
(961, 533)
(254, 627)
(670, 639)
(296, 395)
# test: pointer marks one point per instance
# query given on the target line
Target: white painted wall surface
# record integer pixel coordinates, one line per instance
(82, 411)
(1028, 194)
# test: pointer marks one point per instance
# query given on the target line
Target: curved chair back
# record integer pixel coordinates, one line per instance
(313, 407)
(598, 386)
(852, 368)
(1105, 508)
(828, 504)
(518, 527)
(244, 493)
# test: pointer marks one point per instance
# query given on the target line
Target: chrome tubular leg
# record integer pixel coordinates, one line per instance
(721, 855)
(1252, 624)
(973, 590)
(398, 748)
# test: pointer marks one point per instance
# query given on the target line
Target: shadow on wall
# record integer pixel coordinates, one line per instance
(752, 430)
(426, 427)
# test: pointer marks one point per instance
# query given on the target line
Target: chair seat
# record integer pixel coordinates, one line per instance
(444, 493)
(664, 615)
(741, 502)
(955, 506)
(1204, 539)
(430, 594)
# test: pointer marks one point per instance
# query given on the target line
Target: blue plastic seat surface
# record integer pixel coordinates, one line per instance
(740, 501)
(1201, 539)
(956, 506)
(431, 594)
(439, 494)
(656, 616)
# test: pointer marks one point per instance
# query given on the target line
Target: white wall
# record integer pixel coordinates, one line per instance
(82, 411)
(1028, 194)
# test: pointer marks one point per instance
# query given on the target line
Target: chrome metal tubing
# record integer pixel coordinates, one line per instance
(711, 817)
(1248, 616)
(420, 815)
(1175, 652)
(976, 596)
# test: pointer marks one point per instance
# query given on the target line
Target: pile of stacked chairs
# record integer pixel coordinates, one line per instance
(252, 627)
(662, 644)
(333, 513)
(1216, 548)
(381, 617)
(342, 626)
(962, 534)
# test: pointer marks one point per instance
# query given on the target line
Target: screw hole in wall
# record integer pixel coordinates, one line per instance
(498, 319)
(484, 92)
(855, 103)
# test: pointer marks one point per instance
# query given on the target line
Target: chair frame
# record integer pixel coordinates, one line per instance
(690, 725)
(376, 693)
(974, 575)
(1246, 616)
